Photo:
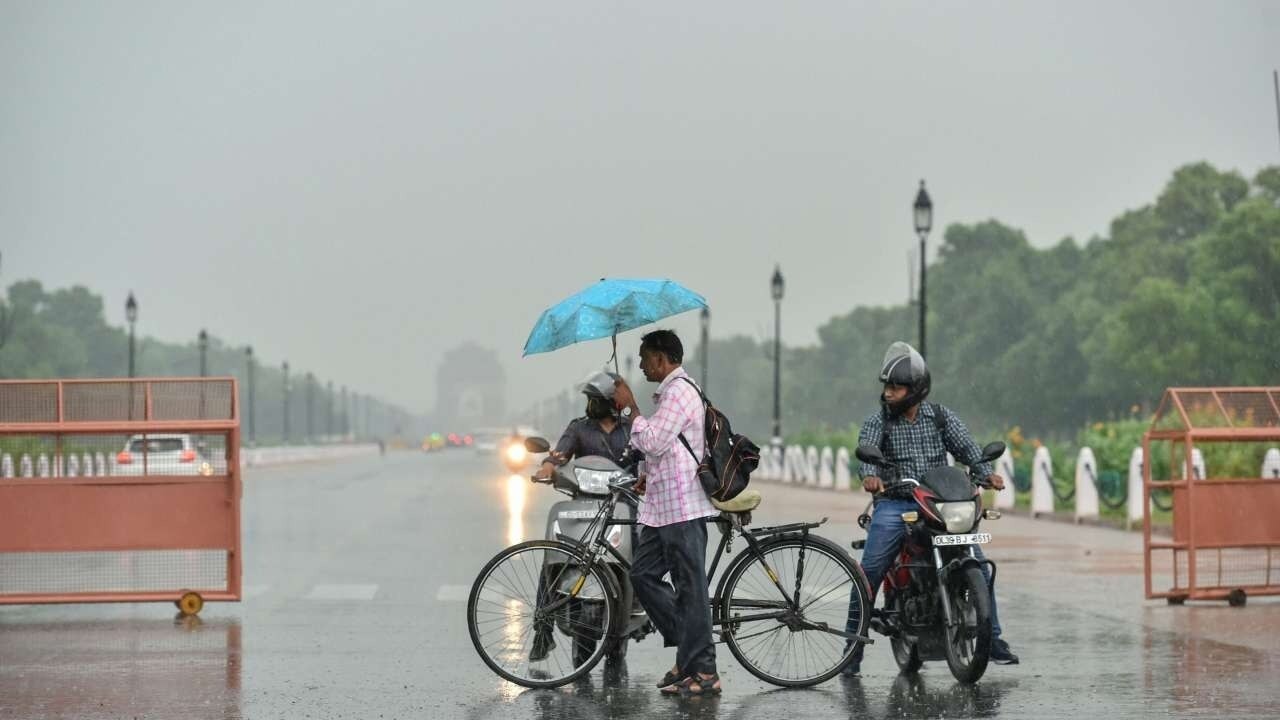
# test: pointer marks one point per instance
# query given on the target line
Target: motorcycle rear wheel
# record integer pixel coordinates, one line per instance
(968, 643)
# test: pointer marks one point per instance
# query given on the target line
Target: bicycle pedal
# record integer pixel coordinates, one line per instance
(859, 544)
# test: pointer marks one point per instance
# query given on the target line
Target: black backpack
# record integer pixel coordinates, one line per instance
(726, 468)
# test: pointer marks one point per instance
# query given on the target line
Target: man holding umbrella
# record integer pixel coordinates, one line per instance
(673, 536)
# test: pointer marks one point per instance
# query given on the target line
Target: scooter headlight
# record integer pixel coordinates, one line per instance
(595, 482)
(958, 516)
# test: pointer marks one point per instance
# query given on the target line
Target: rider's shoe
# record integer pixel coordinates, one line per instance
(543, 643)
(1001, 654)
(852, 670)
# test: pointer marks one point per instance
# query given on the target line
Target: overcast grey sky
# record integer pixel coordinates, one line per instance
(359, 187)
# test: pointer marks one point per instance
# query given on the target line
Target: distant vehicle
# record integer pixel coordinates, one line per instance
(434, 441)
(456, 440)
(165, 454)
(490, 440)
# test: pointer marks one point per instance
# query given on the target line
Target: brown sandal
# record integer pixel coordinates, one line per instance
(696, 686)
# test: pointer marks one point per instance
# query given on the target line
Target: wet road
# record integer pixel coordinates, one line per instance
(356, 576)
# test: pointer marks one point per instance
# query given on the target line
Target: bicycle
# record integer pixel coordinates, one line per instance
(781, 606)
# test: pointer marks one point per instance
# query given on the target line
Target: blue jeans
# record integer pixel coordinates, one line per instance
(884, 543)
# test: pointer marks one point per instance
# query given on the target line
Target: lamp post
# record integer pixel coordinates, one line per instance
(328, 411)
(203, 342)
(777, 286)
(706, 344)
(923, 213)
(249, 371)
(131, 314)
(285, 367)
(311, 402)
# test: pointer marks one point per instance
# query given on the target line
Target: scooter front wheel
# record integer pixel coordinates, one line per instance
(535, 607)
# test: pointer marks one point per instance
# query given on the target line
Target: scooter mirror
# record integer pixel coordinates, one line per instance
(536, 444)
(870, 454)
(992, 451)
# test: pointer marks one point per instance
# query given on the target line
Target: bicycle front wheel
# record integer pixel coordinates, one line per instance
(538, 613)
(804, 646)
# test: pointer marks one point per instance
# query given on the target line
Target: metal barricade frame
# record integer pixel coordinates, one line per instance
(1214, 518)
(159, 530)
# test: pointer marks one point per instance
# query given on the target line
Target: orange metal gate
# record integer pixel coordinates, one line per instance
(119, 490)
(1226, 525)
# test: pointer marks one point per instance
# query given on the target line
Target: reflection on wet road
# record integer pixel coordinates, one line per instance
(356, 578)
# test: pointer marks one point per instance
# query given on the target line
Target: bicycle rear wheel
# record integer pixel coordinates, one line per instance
(538, 614)
(800, 649)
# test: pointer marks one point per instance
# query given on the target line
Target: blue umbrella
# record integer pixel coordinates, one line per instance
(608, 308)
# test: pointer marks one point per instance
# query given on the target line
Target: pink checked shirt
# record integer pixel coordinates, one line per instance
(673, 493)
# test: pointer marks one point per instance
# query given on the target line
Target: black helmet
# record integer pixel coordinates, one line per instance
(904, 366)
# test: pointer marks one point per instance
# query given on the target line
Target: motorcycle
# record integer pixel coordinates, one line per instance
(585, 480)
(937, 601)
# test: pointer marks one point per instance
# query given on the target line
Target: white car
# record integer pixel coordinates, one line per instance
(165, 454)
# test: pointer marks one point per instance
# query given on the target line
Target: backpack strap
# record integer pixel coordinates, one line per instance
(939, 422)
(683, 440)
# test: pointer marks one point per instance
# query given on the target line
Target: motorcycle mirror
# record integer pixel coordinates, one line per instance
(870, 454)
(536, 444)
(992, 451)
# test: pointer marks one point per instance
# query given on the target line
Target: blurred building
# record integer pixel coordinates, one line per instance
(471, 389)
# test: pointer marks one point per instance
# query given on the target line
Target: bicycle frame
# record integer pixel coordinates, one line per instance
(593, 545)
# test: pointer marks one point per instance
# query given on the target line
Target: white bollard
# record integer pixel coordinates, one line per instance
(1041, 476)
(1271, 464)
(1135, 487)
(1086, 485)
(1197, 464)
(826, 471)
(6, 466)
(100, 467)
(795, 465)
(842, 478)
(1007, 497)
(25, 468)
(811, 466)
(789, 464)
(777, 467)
(73, 466)
(42, 466)
(86, 462)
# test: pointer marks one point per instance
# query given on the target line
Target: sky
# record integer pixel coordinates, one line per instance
(357, 188)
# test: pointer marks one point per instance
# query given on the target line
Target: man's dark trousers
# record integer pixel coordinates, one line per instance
(682, 614)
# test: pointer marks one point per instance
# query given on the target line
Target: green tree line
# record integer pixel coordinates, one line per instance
(63, 333)
(1182, 291)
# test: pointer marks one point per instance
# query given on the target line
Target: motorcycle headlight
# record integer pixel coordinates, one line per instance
(516, 453)
(958, 516)
(595, 482)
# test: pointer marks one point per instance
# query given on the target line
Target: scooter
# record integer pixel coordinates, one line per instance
(585, 480)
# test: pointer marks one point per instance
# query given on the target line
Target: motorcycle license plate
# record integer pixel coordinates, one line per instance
(972, 539)
(576, 514)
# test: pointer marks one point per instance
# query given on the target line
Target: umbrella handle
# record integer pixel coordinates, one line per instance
(615, 353)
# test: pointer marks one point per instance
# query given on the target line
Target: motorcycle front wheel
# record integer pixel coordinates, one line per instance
(538, 611)
(968, 641)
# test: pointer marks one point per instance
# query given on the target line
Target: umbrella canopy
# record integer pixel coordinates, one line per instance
(607, 308)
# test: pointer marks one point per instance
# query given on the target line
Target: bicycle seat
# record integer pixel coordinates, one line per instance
(745, 501)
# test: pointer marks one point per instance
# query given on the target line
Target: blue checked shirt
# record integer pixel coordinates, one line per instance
(917, 447)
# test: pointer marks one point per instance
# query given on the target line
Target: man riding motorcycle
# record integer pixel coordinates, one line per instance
(916, 436)
(603, 432)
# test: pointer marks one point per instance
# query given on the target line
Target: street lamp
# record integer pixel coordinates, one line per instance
(328, 411)
(706, 341)
(923, 213)
(131, 314)
(286, 401)
(204, 352)
(777, 286)
(311, 402)
(253, 425)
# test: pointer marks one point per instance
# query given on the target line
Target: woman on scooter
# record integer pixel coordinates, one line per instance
(602, 432)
